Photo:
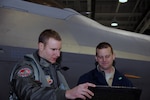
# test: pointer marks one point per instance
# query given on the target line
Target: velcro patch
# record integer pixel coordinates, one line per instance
(24, 72)
(49, 80)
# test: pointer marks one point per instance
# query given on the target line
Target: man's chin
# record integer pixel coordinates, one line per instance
(53, 61)
(105, 67)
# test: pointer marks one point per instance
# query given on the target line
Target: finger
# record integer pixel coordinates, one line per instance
(87, 95)
(91, 85)
(82, 96)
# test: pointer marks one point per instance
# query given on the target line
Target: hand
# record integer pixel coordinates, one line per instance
(81, 91)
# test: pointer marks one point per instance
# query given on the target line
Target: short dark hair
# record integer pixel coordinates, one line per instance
(48, 33)
(104, 45)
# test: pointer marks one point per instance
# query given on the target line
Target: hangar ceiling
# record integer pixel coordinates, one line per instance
(133, 15)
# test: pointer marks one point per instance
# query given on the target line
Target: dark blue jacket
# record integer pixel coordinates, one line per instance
(96, 77)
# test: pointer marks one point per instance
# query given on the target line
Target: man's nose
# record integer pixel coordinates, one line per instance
(104, 59)
(58, 53)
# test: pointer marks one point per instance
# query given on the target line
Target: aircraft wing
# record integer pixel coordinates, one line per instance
(22, 22)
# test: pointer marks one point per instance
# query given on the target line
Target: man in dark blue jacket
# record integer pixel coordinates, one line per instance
(105, 73)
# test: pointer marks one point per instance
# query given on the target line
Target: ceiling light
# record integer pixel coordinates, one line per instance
(114, 24)
(88, 12)
(123, 1)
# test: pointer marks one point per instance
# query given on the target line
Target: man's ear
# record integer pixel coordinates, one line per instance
(96, 58)
(114, 56)
(40, 46)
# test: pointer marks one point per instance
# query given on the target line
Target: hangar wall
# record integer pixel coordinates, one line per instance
(77, 64)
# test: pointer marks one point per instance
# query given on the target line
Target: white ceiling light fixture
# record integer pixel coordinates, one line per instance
(123, 1)
(88, 12)
(114, 24)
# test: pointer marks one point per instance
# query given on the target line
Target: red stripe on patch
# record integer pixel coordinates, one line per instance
(24, 72)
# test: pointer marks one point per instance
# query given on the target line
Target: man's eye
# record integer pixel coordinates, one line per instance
(53, 49)
(107, 56)
(100, 57)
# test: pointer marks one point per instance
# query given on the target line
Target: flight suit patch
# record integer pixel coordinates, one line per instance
(24, 72)
(49, 80)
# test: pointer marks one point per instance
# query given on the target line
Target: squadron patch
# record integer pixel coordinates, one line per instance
(24, 72)
(49, 80)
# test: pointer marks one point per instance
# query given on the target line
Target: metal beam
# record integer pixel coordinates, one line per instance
(144, 23)
(118, 14)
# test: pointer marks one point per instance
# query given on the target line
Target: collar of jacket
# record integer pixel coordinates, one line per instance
(43, 62)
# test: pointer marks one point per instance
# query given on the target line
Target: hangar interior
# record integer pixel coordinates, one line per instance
(22, 22)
